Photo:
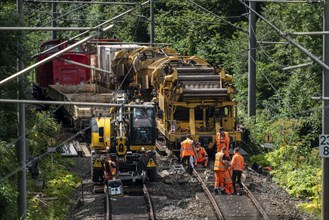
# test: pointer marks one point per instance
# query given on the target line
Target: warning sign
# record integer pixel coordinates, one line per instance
(268, 138)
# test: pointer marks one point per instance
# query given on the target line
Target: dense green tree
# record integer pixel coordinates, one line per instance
(284, 104)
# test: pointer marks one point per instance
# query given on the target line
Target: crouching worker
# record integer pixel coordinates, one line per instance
(202, 156)
(110, 168)
(219, 169)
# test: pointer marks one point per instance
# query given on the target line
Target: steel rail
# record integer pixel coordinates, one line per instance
(210, 196)
(76, 103)
(108, 205)
(256, 203)
(150, 203)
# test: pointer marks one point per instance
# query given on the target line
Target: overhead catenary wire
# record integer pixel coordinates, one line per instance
(80, 2)
(63, 15)
(14, 76)
(267, 79)
(95, 28)
(265, 76)
(292, 112)
(223, 19)
(284, 35)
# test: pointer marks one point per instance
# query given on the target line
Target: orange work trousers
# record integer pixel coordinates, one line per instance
(203, 160)
(219, 178)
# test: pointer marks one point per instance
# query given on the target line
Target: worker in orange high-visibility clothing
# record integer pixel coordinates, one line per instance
(223, 140)
(110, 168)
(237, 165)
(228, 184)
(219, 169)
(202, 155)
(188, 153)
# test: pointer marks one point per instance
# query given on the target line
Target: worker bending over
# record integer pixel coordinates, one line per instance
(237, 165)
(202, 156)
(188, 153)
(219, 169)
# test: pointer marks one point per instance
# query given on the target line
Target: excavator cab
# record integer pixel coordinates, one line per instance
(143, 127)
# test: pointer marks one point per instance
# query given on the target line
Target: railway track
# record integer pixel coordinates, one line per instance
(174, 201)
(230, 207)
(136, 203)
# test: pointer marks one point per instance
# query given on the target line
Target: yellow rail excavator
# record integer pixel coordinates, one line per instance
(123, 145)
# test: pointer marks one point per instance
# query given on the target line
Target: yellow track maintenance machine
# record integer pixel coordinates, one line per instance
(125, 137)
(190, 95)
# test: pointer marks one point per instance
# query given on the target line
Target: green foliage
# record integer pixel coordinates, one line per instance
(284, 105)
(8, 202)
(299, 173)
(59, 185)
(8, 59)
(194, 28)
(44, 127)
(8, 188)
(260, 159)
(62, 185)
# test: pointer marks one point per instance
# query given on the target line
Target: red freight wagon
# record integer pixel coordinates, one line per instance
(59, 72)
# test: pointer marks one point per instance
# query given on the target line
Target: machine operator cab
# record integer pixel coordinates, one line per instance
(142, 127)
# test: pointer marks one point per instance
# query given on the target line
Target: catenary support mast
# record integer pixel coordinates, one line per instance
(21, 144)
(325, 113)
(252, 61)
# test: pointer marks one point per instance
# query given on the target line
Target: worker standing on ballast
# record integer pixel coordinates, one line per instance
(188, 153)
(223, 140)
(237, 165)
(202, 155)
(219, 169)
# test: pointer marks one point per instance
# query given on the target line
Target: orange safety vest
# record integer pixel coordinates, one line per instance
(186, 148)
(237, 162)
(110, 168)
(202, 153)
(219, 164)
(220, 140)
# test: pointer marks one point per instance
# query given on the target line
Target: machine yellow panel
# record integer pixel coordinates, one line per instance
(100, 132)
